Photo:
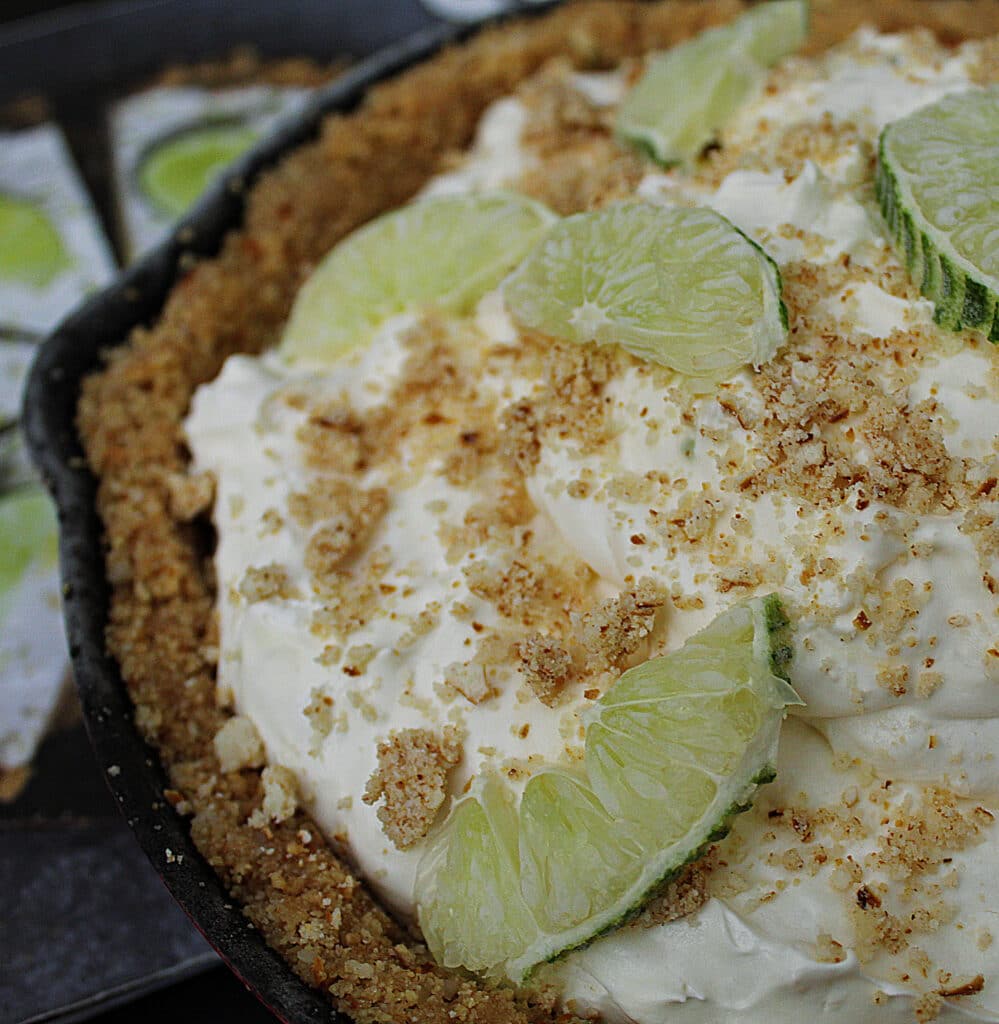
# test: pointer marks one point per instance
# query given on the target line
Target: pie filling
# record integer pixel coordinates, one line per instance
(435, 553)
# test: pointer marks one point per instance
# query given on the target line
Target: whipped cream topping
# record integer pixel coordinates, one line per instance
(857, 888)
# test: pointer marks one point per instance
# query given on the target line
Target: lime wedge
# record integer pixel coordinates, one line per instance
(176, 171)
(28, 535)
(938, 185)
(688, 94)
(446, 252)
(31, 250)
(673, 750)
(681, 287)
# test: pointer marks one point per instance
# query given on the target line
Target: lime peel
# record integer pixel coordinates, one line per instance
(689, 93)
(502, 889)
(444, 252)
(937, 183)
(677, 286)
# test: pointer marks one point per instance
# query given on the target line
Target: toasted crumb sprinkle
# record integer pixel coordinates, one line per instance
(614, 630)
(985, 70)
(413, 766)
(346, 525)
(828, 950)
(280, 797)
(238, 745)
(340, 500)
(262, 583)
(547, 666)
(927, 1007)
(191, 494)
(811, 390)
(520, 442)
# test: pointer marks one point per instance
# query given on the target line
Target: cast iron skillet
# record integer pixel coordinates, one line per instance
(135, 776)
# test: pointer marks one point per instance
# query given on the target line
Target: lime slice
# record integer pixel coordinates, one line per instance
(31, 249)
(176, 171)
(938, 185)
(681, 287)
(673, 750)
(688, 94)
(28, 534)
(446, 252)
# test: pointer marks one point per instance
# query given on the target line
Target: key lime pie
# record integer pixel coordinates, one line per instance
(606, 528)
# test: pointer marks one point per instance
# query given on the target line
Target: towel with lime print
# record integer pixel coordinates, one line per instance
(33, 660)
(673, 750)
(171, 143)
(53, 252)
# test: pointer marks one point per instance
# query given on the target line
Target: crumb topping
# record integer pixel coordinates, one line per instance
(836, 427)
(280, 797)
(191, 494)
(262, 583)
(613, 631)
(547, 666)
(681, 897)
(411, 778)
(238, 745)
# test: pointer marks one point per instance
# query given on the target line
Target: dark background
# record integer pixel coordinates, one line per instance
(11, 9)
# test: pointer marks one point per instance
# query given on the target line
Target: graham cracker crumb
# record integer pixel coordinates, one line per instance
(547, 666)
(346, 528)
(191, 494)
(322, 718)
(963, 987)
(519, 438)
(927, 1007)
(262, 583)
(413, 767)
(809, 391)
(828, 950)
(985, 70)
(338, 499)
(280, 797)
(238, 745)
(613, 631)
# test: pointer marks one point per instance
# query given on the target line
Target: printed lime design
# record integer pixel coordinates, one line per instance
(28, 534)
(178, 170)
(681, 287)
(689, 93)
(445, 252)
(673, 750)
(938, 185)
(31, 248)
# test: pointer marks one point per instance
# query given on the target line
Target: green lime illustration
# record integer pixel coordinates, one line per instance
(31, 248)
(28, 536)
(176, 171)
